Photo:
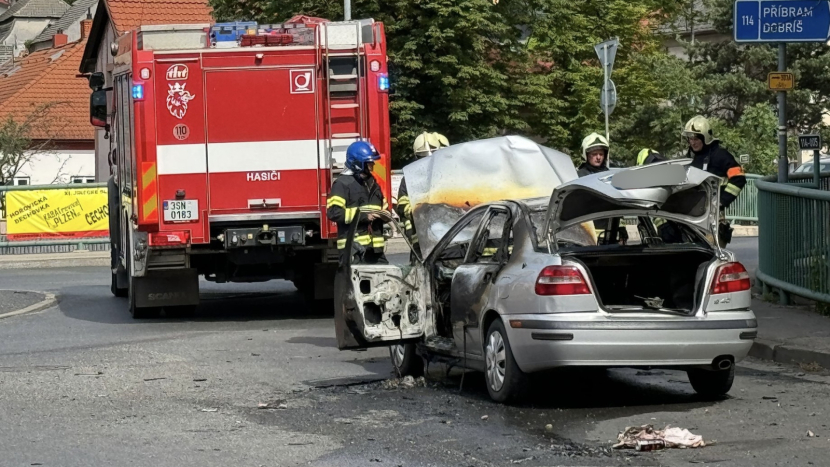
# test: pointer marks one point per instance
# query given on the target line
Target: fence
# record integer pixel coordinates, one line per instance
(745, 207)
(794, 237)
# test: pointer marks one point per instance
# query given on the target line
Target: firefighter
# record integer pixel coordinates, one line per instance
(668, 230)
(649, 156)
(595, 152)
(354, 191)
(425, 144)
(706, 154)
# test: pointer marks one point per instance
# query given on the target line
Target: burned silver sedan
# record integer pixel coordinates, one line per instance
(512, 278)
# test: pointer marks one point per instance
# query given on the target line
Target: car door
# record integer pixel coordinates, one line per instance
(474, 278)
(378, 305)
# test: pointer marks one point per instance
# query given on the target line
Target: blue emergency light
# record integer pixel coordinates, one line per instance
(138, 92)
(383, 82)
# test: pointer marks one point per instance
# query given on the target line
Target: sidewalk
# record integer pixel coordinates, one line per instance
(791, 334)
(55, 260)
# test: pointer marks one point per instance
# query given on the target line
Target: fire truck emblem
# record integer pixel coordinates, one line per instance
(177, 72)
(302, 81)
(177, 99)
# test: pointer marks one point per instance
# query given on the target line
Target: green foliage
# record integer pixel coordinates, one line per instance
(726, 82)
(463, 67)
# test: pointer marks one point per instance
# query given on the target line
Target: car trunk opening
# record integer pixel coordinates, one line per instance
(666, 280)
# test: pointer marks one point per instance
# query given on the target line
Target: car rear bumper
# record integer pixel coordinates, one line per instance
(542, 342)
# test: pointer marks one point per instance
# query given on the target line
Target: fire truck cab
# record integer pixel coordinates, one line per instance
(224, 149)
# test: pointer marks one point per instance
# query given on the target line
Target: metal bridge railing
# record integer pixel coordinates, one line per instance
(745, 206)
(794, 237)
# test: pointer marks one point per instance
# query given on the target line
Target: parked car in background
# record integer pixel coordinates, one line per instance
(807, 167)
(514, 283)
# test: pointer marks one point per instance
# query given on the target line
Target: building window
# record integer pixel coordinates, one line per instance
(80, 179)
(21, 181)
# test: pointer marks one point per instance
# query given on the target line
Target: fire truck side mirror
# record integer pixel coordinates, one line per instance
(96, 81)
(98, 108)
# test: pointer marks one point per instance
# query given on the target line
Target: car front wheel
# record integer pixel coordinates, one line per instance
(406, 361)
(710, 383)
(505, 381)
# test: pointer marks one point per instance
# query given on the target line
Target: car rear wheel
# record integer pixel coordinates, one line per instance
(505, 381)
(710, 383)
(406, 361)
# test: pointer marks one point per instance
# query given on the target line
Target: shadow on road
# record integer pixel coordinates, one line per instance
(97, 304)
(604, 393)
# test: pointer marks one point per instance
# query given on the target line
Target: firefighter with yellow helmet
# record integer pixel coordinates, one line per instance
(595, 151)
(706, 154)
(425, 144)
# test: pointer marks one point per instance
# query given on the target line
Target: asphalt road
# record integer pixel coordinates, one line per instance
(82, 384)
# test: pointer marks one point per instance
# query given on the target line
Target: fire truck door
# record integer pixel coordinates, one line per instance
(262, 140)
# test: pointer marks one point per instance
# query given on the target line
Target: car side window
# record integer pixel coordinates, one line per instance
(460, 243)
(495, 233)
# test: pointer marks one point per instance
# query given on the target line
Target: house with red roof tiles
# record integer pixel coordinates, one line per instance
(43, 89)
(115, 17)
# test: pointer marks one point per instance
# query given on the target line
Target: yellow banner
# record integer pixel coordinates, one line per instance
(68, 213)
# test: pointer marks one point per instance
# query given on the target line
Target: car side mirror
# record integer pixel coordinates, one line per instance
(96, 81)
(98, 108)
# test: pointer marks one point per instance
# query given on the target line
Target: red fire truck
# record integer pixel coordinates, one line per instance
(225, 152)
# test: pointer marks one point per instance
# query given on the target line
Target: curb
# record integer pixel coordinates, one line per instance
(48, 301)
(744, 230)
(782, 353)
(59, 260)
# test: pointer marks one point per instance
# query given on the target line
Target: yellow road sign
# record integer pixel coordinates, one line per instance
(780, 81)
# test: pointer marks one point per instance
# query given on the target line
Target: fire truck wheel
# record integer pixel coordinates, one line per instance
(120, 292)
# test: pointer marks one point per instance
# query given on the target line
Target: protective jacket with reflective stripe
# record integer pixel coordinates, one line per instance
(350, 194)
(404, 211)
(718, 161)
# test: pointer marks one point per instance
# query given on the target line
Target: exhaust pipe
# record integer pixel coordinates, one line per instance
(722, 363)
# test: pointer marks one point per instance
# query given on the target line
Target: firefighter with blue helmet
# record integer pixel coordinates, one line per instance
(354, 192)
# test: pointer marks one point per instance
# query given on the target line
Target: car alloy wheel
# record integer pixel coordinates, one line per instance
(398, 355)
(496, 361)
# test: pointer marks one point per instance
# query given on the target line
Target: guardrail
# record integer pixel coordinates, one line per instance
(745, 206)
(794, 237)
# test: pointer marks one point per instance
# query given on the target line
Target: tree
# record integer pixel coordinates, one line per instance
(726, 82)
(474, 69)
(16, 146)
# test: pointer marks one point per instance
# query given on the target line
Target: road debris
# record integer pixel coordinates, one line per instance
(407, 382)
(485, 417)
(199, 380)
(153, 379)
(519, 461)
(811, 434)
(671, 437)
(269, 405)
(210, 410)
(549, 428)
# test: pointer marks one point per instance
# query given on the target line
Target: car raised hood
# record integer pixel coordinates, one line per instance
(672, 190)
(444, 186)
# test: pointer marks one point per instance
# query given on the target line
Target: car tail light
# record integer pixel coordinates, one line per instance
(169, 239)
(731, 277)
(561, 280)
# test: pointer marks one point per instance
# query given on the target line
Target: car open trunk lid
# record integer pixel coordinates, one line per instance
(672, 190)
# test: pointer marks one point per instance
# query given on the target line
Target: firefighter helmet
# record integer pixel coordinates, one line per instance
(593, 141)
(699, 125)
(426, 143)
(358, 154)
(643, 157)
